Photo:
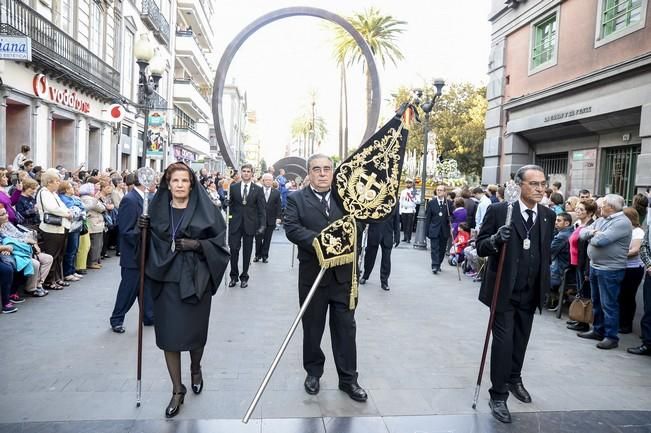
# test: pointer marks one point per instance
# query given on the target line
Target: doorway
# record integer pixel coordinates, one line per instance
(63, 142)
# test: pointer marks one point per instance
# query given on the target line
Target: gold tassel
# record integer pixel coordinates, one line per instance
(353, 286)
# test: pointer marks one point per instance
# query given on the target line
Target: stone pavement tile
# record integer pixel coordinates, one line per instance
(209, 405)
(355, 425)
(303, 425)
(118, 426)
(399, 402)
(337, 403)
(452, 401)
(196, 426)
(433, 424)
(289, 404)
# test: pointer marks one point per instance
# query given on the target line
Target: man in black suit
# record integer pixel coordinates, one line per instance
(247, 217)
(387, 235)
(308, 212)
(524, 284)
(129, 238)
(437, 224)
(272, 208)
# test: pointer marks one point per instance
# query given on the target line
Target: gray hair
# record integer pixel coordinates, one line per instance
(267, 176)
(614, 201)
(519, 175)
(318, 156)
(49, 175)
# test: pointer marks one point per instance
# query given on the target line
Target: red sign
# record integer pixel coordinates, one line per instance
(66, 97)
(116, 113)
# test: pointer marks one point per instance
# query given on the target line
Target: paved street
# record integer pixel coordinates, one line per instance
(419, 347)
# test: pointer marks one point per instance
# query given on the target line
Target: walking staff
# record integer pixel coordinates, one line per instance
(147, 178)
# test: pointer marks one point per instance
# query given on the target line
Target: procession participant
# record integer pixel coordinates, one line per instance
(437, 223)
(408, 209)
(387, 235)
(272, 211)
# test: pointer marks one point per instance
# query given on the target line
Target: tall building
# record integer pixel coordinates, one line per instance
(235, 114)
(569, 89)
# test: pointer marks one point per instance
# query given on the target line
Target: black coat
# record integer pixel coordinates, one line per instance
(272, 207)
(438, 226)
(130, 209)
(385, 233)
(304, 220)
(246, 218)
(494, 219)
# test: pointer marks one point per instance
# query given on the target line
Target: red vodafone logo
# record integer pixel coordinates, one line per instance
(116, 113)
(66, 97)
(40, 85)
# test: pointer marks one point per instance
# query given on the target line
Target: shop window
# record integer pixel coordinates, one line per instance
(544, 43)
(617, 18)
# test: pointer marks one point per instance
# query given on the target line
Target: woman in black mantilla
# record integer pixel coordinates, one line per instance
(186, 261)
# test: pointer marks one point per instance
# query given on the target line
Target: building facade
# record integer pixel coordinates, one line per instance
(570, 89)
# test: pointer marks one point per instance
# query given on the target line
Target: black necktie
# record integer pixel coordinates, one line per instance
(324, 202)
(246, 193)
(529, 223)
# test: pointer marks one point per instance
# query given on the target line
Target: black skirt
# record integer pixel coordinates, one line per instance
(179, 325)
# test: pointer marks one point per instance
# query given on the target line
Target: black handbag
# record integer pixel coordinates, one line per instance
(48, 218)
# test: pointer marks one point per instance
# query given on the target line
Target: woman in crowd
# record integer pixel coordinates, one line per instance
(585, 211)
(556, 203)
(109, 215)
(7, 268)
(212, 192)
(641, 205)
(26, 205)
(633, 276)
(95, 220)
(460, 215)
(186, 261)
(67, 195)
(54, 228)
(570, 207)
(5, 200)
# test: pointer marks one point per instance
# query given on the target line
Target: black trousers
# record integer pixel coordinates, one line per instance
(54, 244)
(235, 242)
(342, 330)
(263, 242)
(628, 291)
(127, 294)
(385, 264)
(407, 225)
(511, 331)
(437, 250)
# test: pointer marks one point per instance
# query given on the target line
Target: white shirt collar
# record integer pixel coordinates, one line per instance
(318, 194)
(524, 208)
(140, 193)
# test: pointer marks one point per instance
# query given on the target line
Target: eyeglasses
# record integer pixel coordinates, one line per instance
(320, 170)
(537, 185)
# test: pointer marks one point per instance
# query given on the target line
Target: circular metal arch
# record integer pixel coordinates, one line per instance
(293, 166)
(220, 77)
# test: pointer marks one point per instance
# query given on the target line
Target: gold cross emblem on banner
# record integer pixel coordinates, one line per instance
(368, 187)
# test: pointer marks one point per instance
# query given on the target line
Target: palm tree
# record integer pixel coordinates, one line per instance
(302, 131)
(380, 33)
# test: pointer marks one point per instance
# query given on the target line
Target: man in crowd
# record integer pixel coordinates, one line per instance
(308, 212)
(645, 323)
(437, 223)
(247, 214)
(408, 209)
(482, 205)
(282, 187)
(272, 210)
(385, 234)
(609, 241)
(584, 194)
(560, 252)
(524, 283)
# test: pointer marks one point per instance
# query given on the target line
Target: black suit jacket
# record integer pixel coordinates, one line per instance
(494, 219)
(384, 233)
(130, 209)
(438, 226)
(246, 218)
(272, 207)
(304, 220)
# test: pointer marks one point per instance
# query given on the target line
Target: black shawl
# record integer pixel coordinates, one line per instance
(194, 272)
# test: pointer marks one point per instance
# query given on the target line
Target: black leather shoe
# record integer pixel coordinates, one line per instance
(385, 287)
(354, 391)
(640, 350)
(232, 283)
(197, 381)
(244, 284)
(311, 385)
(119, 329)
(625, 329)
(173, 408)
(578, 326)
(500, 411)
(362, 280)
(590, 335)
(519, 391)
(265, 260)
(434, 271)
(256, 259)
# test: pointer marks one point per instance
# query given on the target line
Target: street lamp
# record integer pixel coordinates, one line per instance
(426, 104)
(146, 56)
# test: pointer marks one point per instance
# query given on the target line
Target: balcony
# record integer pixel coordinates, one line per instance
(198, 15)
(155, 21)
(189, 98)
(188, 133)
(156, 101)
(192, 58)
(53, 49)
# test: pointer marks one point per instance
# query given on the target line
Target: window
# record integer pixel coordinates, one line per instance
(544, 42)
(96, 29)
(64, 15)
(128, 60)
(617, 18)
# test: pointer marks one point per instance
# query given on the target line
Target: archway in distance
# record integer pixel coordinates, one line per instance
(232, 48)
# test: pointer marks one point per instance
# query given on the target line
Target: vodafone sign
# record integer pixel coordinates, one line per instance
(66, 97)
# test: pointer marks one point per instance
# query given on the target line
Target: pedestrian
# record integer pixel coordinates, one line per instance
(23, 155)
(282, 186)
(645, 323)
(273, 209)
(460, 215)
(385, 234)
(482, 205)
(95, 222)
(186, 260)
(438, 217)
(633, 275)
(308, 212)
(129, 237)
(524, 283)
(560, 255)
(408, 209)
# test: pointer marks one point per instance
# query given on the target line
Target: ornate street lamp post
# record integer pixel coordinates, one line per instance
(147, 57)
(426, 104)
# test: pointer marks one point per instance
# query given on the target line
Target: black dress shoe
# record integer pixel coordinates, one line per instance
(434, 271)
(311, 385)
(363, 280)
(499, 410)
(578, 326)
(519, 391)
(119, 329)
(256, 259)
(265, 260)
(244, 284)
(173, 408)
(640, 350)
(571, 322)
(354, 391)
(197, 381)
(232, 283)
(625, 329)
(590, 335)
(385, 287)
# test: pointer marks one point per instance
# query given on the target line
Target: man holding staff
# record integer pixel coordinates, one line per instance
(524, 282)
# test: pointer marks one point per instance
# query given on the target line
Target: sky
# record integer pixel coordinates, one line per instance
(283, 62)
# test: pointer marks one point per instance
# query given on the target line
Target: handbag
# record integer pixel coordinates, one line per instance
(581, 310)
(48, 218)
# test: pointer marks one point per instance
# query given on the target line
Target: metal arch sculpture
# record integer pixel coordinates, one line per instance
(232, 48)
(293, 166)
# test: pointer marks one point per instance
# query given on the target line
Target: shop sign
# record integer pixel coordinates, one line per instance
(15, 48)
(181, 154)
(567, 114)
(157, 133)
(67, 97)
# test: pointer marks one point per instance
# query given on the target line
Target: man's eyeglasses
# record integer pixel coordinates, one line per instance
(537, 185)
(320, 170)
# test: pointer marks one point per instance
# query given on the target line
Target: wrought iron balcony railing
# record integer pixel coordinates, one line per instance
(55, 49)
(155, 101)
(155, 21)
